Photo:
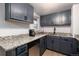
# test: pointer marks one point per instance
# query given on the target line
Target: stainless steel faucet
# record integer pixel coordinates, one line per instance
(54, 30)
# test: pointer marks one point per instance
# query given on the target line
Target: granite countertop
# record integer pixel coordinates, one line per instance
(61, 34)
(10, 42)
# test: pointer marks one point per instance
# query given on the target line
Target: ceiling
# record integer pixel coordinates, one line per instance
(47, 8)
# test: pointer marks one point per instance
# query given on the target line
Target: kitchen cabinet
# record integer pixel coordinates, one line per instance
(66, 45)
(50, 43)
(69, 45)
(42, 45)
(19, 51)
(53, 43)
(56, 19)
(29, 12)
(53, 18)
(46, 20)
(7, 11)
(66, 17)
(43, 21)
(19, 11)
(56, 44)
(49, 20)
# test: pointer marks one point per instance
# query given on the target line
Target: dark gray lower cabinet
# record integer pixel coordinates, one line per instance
(53, 43)
(19, 51)
(56, 44)
(64, 45)
(69, 45)
(42, 45)
(50, 43)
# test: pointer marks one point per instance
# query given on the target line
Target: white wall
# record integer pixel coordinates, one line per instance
(60, 29)
(9, 32)
(36, 16)
(75, 19)
(10, 28)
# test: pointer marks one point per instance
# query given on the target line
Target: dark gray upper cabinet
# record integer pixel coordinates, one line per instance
(7, 11)
(53, 18)
(29, 12)
(19, 11)
(49, 21)
(43, 21)
(56, 19)
(66, 17)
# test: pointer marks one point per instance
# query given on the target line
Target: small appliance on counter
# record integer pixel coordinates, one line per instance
(33, 28)
(31, 32)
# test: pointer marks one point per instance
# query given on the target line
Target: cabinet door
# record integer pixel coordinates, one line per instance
(7, 11)
(50, 43)
(53, 18)
(43, 21)
(65, 47)
(48, 20)
(66, 17)
(42, 45)
(29, 13)
(17, 11)
(56, 44)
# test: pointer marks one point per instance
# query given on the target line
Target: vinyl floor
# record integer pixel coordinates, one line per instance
(34, 51)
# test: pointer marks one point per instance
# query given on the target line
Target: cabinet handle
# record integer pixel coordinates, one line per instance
(25, 17)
